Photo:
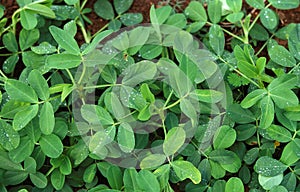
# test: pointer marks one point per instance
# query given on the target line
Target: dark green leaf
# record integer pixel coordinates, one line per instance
(285, 81)
(30, 165)
(23, 151)
(115, 177)
(20, 91)
(235, 5)
(259, 33)
(258, 4)
(282, 56)
(240, 115)
(279, 133)
(10, 42)
(126, 138)
(215, 11)
(38, 179)
(224, 137)
(57, 179)
(287, 4)
(129, 19)
(290, 154)
(284, 98)
(253, 97)
(28, 38)
(22, 118)
(90, 173)
(217, 39)
(267, 112)
(10, 63)
(47, 120)
(40, 9)
(148, 181)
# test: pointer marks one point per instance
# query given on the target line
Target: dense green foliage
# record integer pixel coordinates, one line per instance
(149, 107)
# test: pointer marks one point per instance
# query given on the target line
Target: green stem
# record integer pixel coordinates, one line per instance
(3, 75)
(83, 4)
(172, 105)
(87, 39)
(50, 171)
(82, 74)
(294, 68)
(101, 86)
(71, 77)
(104, 27)
(169, 98)
(264, 45)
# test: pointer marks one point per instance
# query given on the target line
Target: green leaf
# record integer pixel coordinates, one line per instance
(22, 118)
(137, 38)
(10, 63)
(207, 95)
(279, 133)
(269, 182)
(160, 15)
(287, 4)
(196, 12)
(240, 115)
(71, 2)
(150, 51)
(258, 4)
(8, 164)
(104, 9)
(122, 6)
(215, 11)
(267, 112)
(10, 138)
(130, 180)
(95, 114)
(224, 137)
(66, 167)
(71, 28)
(96, 40)
(10, 42)
(285, 81)
(235, 5)
(148, 181)
(63, 61)
(129, 19)
(30, 165)
(174, 140)
(115, 177)
(258, 32)
(244, 132)
(43, 48)
(282, 56)
(253, 97)
(65, 40)
(268, 18)
(57, 179)
(138, 73)
(177, 20)
(23, 151)
(284, 98)
(41, 9)
(234, 184)
(18, 90)
(126, 138)
(217, 39)
(47, 120)
(162, 174)
(269, 167)
(90, 173)
(28, 19)
(290, 154)
(39, 84)
(51, 145)
(235, 17)
(38, 179)
(28, 38)
(185, 169)
(248, 69)
(152, 161)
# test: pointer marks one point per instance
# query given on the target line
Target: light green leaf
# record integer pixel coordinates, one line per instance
(285, 81)
(258, 4)
(10, 42)
(138, 73)
(147, 181)
(28, 19)
(284, 98)
(66, 167)
(177, 20)
(267, 112)
(152, 161)
(65, 40)
(57, 179)
(234, 184)
(30, 165)
(269, 182)
(224, 137)
(214, 11)
(63, 61)
(40, 9)
(28, 38)
(8, 164)
(126, 138)
(47, 120)
(174, 140)
(51, 145)
(290, 154)
(43, 48)
(115, 177)
(282, 56)
(185, 169)
(287, 4)
(122, 6)
(39, 84)
(196, 12)
(248, 69)
(38, 179)
(279, 133)
(160, 15)
(129, 19)
(217, 39)
(269, 167)
(22, 118)
(235, 5)
(10, 138)
(23, 151)
(268, 18)
(240, 115)
(20, 91)
(95, 114)
(90, 173)
(253, 97)
(150, 51)
(207, 95)
(10, 63)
